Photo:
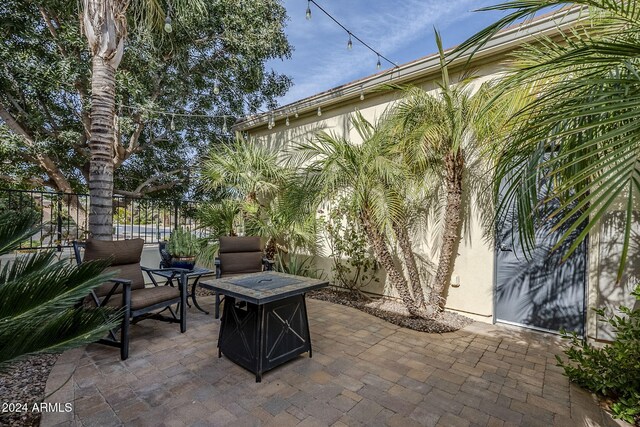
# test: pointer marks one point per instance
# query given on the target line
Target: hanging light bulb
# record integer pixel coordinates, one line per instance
(308, 15)
(286, 122)
(172, 126)
(224, 125)
(216, 88)
(319, 111)
(349, 43)
(168, 28)
(361, 93)
(378, 64)
(296, 114)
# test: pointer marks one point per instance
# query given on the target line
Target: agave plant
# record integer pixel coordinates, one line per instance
(40, 295)
(183, 244)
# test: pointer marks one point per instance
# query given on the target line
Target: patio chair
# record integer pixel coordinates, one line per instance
(128, 290)
(239, 255)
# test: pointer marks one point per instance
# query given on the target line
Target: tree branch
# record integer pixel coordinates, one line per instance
(52, 29)
(145, 187)
(42, 160)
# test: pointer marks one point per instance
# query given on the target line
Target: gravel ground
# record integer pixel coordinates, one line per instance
(387, 309)
(393, 311)
(24, 384)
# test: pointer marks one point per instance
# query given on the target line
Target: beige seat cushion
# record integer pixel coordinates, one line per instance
(141, 298)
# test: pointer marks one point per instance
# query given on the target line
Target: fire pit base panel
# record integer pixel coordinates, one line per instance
(260, 337)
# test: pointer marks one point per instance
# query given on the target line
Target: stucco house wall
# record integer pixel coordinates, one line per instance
(473, 282)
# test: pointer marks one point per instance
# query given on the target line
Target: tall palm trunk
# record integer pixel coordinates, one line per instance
(105, 28)
(404, 242)
(383, 256)
(454, 167)
(101, 145)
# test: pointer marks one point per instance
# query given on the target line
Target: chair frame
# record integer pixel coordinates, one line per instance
(134, 316)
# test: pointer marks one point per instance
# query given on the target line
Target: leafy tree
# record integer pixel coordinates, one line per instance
(212, 64)
(580, 127)
(439, 136)
(39, 297)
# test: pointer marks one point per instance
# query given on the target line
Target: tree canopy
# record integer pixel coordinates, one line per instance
(177, 92)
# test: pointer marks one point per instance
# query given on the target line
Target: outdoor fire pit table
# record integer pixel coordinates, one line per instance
(272, 327)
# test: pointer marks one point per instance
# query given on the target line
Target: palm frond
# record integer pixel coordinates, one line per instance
(15, 228)
(40, 298)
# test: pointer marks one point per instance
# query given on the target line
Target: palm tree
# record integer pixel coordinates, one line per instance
(369, 177)
(438, 135)
(105, 26)
(39, 297)
(580, 128)
(268, 197)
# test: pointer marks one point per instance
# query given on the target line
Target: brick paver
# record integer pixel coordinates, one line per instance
(364, 372)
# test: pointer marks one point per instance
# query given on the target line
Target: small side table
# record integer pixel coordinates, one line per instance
(273, 327)
(196, 273)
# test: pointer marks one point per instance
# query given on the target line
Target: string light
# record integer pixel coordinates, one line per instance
(286, 122)
(216, 88)
(172, 126)
(319, 111)
(296, 114)
(361, 93)
(224, 125)
(168, 28)
(351, 35)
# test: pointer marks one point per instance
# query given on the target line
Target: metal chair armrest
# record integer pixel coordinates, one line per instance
(121, 281)
(176, 269)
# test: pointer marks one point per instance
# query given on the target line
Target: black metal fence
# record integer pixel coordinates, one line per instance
(64, 217)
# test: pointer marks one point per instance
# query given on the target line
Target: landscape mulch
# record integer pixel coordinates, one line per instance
(23, 383)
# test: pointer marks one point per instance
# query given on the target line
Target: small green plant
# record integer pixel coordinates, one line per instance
(299, 265)
(183, 244)
(353, 266)
(612, 371)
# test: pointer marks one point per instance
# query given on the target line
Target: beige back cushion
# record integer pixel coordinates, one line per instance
(125, 260)
(240, 263)
(239, 255)
(231, 244)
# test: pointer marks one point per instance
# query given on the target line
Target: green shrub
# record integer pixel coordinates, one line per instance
(612, 371)
(353, 266)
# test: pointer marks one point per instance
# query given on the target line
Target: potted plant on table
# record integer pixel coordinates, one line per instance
(183, 247)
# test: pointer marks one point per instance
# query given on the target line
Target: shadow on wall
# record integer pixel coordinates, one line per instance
(540, 289)
(612, 294)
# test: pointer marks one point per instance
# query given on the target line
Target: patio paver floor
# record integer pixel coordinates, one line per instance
(364, 371)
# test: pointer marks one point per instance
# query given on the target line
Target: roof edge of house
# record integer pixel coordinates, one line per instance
(544, 25)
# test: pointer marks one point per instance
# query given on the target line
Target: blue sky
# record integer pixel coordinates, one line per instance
(401, 30)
